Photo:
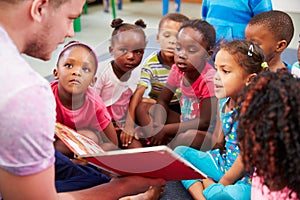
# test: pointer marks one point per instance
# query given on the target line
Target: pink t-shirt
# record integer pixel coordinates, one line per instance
(92, 114)
(27, 114)
(261, 192)
(191, 97)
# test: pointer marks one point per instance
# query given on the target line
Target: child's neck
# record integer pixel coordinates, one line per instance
(191, 77)
(230, 105)
(168, 61)
(71, 101)
(122, 76)
(276, 63)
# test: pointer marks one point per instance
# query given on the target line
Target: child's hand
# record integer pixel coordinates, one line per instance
(126, 139)
(160, 138)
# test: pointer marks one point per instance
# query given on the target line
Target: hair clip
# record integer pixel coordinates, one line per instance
(264, 65)
(250, 51)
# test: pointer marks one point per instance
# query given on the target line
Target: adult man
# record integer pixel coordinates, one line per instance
(27, 107)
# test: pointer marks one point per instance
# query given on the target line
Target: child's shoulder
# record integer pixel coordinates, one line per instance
(104, 67)
(152, 59)
(91, 95)
(208, 71)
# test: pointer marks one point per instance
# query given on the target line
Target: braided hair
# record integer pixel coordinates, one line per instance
(269, 128)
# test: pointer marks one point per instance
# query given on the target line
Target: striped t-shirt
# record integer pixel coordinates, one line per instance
(154, 74)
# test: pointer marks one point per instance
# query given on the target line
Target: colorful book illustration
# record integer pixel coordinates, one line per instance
(154, 162)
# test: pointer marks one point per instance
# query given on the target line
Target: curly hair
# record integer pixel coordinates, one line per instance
(240, 50)
(269, 128)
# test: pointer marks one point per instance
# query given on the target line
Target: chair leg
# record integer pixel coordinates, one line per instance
(120, 4)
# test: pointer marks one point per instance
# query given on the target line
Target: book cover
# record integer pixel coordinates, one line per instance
(154, 162)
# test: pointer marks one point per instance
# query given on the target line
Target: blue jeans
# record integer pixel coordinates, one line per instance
(204, 162)
(70, 176)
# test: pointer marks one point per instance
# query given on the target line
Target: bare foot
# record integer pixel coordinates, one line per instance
(153, 193)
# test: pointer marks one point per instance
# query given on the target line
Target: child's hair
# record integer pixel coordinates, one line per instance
(176, 17)
(278, 23)
(269, 128)
(247, 54)
(119, 26)
(206, 29)
(73, 44)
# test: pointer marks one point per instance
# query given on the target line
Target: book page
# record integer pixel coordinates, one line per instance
(79, 144)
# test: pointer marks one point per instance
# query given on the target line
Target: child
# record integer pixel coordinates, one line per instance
(117, 79)
(237, 63)
(270, 142)
(273, 32)
(77, 105)
(194, 76)
(154, 74)
(296, 65)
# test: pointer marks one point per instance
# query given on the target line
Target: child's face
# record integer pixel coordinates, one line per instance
(230, 78)
(166, 37)
(128, 50)
(76, 70)
(259, 35)
(190, 53)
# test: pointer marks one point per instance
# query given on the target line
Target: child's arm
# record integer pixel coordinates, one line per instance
(208, 109)
(218, 138)
(111, 134)
(164, 99)
(128, 131)
(234, 173)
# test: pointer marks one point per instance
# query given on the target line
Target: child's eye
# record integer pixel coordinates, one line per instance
(225, 71)
(192, 51)
(177, 48)
(124, 50)
(86, 69)
(68, 65)
(167, 35)
(139, 51)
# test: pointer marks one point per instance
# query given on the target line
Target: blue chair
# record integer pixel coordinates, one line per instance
(165, 6)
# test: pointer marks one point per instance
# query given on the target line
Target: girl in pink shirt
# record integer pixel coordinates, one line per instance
(193, 75)
(77, 105)
(269, 129)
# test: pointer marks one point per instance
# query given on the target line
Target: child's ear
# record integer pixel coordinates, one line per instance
(281, 45)
(110, 48)
(55, 74)
(93, 81)
(210, 52)
(250, 78)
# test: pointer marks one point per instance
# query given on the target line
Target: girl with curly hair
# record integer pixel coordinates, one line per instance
(269, 135)
(237, 63)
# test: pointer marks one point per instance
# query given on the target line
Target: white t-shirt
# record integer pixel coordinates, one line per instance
(114, 92)
(27, 114)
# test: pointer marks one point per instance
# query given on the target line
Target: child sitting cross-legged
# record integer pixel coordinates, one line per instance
(237, 63)
(194, 76)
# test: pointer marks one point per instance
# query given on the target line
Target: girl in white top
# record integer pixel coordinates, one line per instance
(117, 79)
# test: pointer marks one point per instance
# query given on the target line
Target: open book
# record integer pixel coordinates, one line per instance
(154, 162)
